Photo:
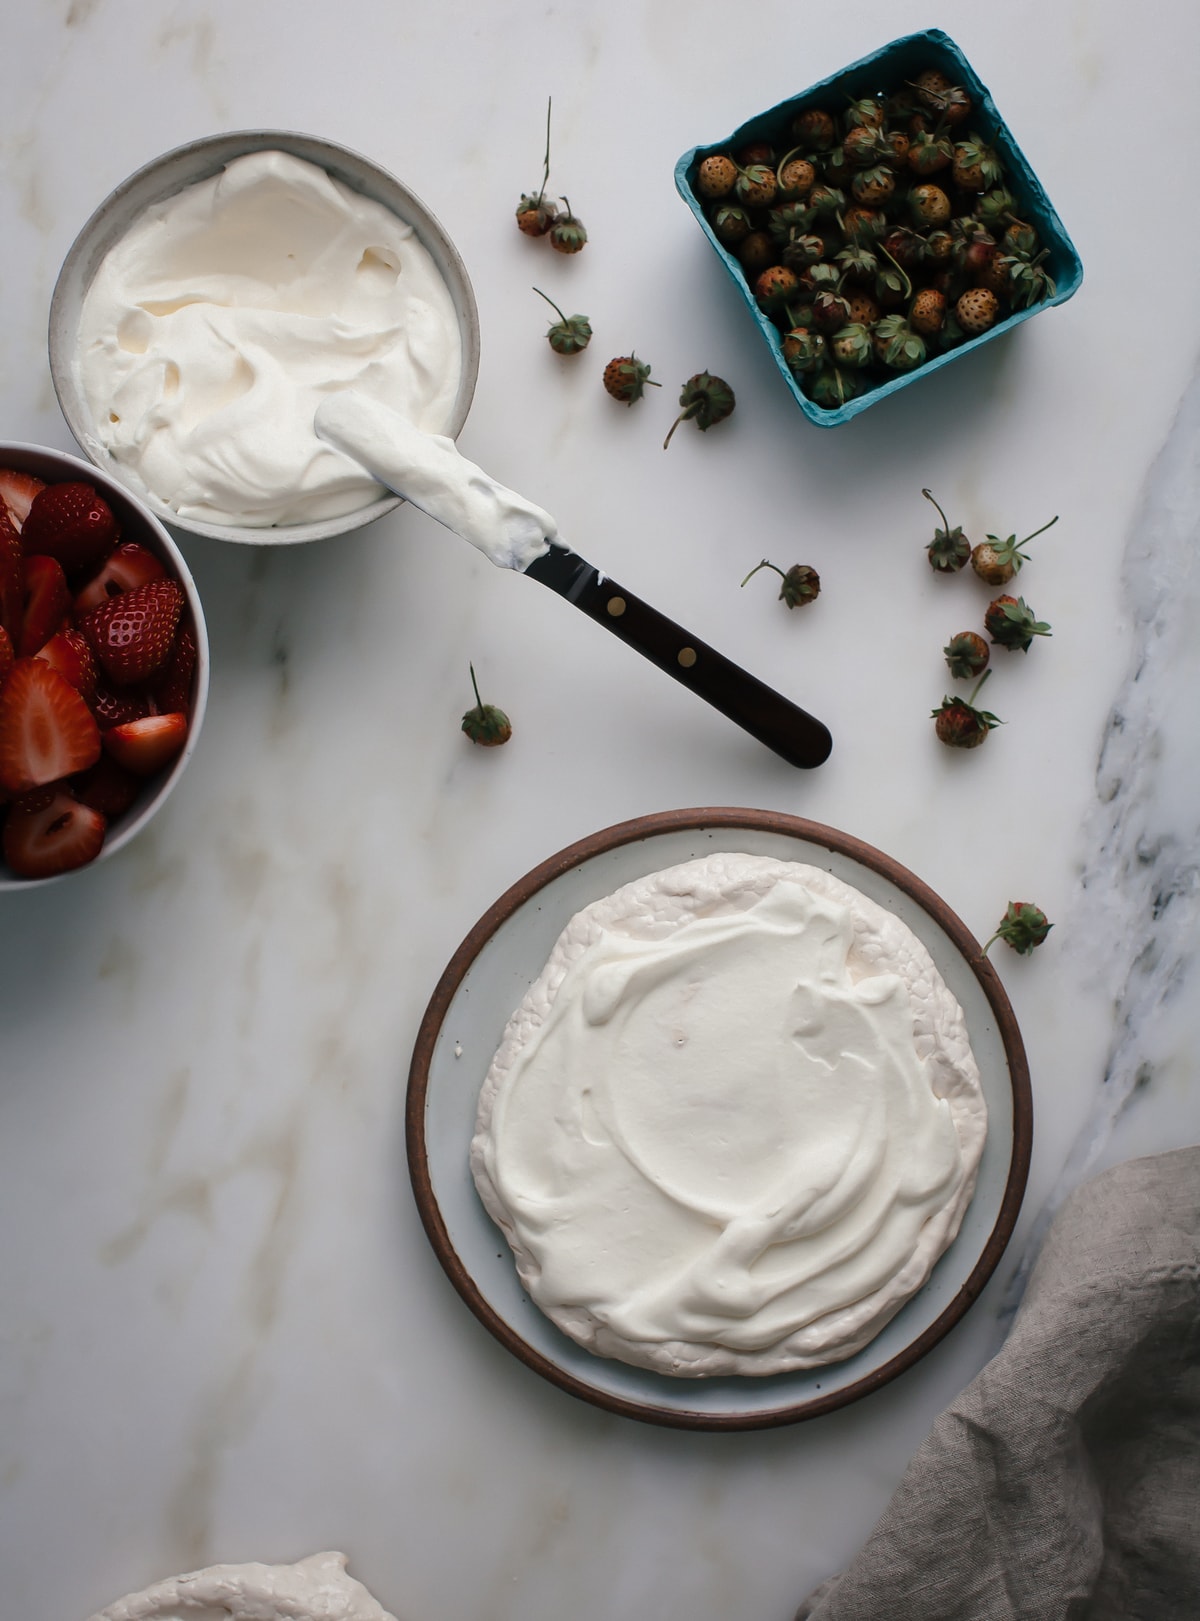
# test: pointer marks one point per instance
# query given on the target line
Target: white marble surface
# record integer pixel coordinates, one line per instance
(224, 1336)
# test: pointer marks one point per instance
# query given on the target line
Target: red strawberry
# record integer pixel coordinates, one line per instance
(6, 654)
(144, 746)
(125, 569)
(12, 575)
(70, 655)
(173, 689)
(72, 523)
(115, 708)
(46, 730)
(108, 787)
(131, 634)
(51, 832)
(17, 491)
(47, 602)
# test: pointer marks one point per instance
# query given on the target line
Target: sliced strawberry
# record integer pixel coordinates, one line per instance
(47, 602)
(115, 708)
(131, 634)
(70, 655)
(125, 569)
(51, 832)
(144, 746)
(108, 787)
(6, 654)
(173, 689)
(12, 576)
(72, 523)
(46, 729)
(17, 491)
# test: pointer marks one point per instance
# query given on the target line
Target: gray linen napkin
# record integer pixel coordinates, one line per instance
(1064, 1483)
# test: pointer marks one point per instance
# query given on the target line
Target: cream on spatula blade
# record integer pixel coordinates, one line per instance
(428, 470)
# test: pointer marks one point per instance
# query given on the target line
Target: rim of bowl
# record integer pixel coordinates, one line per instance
(187, 165)
(41, 460)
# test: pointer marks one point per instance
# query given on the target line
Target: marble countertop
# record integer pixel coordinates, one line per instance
(224, 1334)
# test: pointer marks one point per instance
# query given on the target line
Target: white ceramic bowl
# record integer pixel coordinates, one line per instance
(186, 166)
(56, 467)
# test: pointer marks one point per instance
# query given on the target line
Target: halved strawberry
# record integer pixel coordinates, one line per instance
(115, 708)
(70, 655)
(46, 729)
(47, 602)
(125, 569)
(131, 634)
(50, 832)
(173, 689)
(108, 787)
(6, 654)
(12, 576)
(17, 491)
(72, 523)
(144, 746)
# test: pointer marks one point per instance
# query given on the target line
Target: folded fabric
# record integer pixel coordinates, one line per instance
(1064, 1483)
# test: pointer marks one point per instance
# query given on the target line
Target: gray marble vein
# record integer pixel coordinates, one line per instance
(1137, 915)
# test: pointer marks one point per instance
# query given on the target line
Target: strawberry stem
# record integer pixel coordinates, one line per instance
(551, 303)
(475, 684)
(978, 684)
(546, 159)
(1038, 532)
(764, 564)
(928, 494)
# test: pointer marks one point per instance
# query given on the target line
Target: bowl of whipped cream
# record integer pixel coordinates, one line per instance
(220, 294)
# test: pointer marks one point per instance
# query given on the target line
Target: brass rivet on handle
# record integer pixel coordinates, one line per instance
(687, 657)
(616, 606)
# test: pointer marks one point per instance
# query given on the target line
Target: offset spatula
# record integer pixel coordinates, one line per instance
(427, 470)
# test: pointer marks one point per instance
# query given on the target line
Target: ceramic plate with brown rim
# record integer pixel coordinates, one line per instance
(487, 978)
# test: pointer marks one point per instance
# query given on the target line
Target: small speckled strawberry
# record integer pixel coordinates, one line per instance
(626, 377)
(996, 561)
(801, 584)
(485, 724)
(967, 655)
(928, 312)
(716, 175)
(949, 550)
(568, 234)
(1010, 622)
(959, 724)
(977, 310)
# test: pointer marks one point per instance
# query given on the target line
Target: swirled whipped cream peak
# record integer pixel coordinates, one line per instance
(215, 326)
(733, 1124)
(314, 1589)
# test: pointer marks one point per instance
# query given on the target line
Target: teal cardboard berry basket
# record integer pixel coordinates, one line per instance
(884, 72)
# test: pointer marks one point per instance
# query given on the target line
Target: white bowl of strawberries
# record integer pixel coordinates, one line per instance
(103, 665)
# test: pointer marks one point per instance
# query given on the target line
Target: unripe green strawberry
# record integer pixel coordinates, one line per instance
(485, 724)
(1023, 927)
(801, 584)
(569, 334)
(831, 386)
(705, 400)
(568, 234)
(949, 550)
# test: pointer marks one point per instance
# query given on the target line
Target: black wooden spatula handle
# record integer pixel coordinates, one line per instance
(768, 716)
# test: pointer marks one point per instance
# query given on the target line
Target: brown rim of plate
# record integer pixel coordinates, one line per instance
(698, 820)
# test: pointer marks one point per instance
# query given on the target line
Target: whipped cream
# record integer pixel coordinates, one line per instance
(314, 1589)
(430, 471)
(212, 330)
(733, 1124)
